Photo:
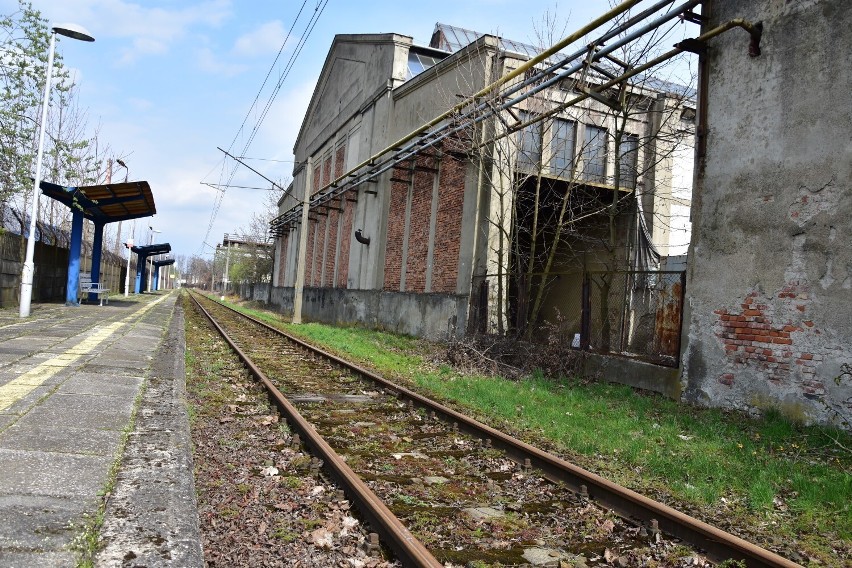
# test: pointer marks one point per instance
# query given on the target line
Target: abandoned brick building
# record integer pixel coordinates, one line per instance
(433, 243)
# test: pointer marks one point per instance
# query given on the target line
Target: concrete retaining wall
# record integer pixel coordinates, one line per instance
(51, 271)
(634, 373)
(420, 315)
(430, 315)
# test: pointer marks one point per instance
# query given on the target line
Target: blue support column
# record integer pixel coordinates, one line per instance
(97, 245)
(141, 259)
(73, 281)
(156, 284)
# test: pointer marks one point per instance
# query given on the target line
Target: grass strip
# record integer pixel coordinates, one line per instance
(783, 480)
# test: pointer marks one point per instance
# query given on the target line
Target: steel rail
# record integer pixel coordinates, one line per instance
(719, 545)
(407, 547)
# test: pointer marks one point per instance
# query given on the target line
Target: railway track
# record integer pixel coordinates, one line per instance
(444, 489)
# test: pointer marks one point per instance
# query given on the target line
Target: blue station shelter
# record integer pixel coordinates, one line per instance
(101, 204)
(157, 265)
(142, 254)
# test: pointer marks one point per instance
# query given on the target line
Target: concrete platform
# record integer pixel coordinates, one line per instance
(92, 419)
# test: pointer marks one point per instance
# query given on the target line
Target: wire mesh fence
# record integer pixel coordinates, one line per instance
(635, 314)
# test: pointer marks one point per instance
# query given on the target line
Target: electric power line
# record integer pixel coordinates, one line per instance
(303, 40)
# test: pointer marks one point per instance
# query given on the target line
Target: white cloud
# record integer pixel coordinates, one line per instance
(215, 65)
(142, 46)
(140, 104)
(151, 31)
(263, 40)
(281, 126)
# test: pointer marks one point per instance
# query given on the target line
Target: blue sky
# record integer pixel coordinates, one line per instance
(167, 81)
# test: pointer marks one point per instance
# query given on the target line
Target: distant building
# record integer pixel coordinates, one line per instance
(247, 259)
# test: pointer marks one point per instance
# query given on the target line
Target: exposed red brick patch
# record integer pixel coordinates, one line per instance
(749, 336)
(445, 257)
(396, 230)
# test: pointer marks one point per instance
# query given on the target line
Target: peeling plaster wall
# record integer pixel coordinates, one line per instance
(769, 313)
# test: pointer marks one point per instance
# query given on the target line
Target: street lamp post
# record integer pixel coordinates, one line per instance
(75, 32)
(212, 265)
(213, 272)
(226, 278)
(129, 254)
(121, 163)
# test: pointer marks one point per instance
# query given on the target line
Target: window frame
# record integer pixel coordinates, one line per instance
(593, 155)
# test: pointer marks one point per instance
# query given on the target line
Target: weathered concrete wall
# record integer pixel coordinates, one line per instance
(257, 291)
(770, 278)
(634, 373)
(420, 315)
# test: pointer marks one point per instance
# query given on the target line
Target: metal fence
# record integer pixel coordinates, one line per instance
(635, 314)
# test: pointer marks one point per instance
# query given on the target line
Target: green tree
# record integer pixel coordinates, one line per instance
(71, 157)
(24, 44)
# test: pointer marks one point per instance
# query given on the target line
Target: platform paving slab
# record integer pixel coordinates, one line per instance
(36, 559)
(66, 396)
(24, 405)
(84, 410)
(151, 518)
(95, 384)
(33, 472)
(37, 522)
(76, 439)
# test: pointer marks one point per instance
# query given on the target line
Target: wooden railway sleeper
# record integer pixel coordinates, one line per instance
(634, 507)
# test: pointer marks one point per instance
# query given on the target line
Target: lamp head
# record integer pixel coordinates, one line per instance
(121, 163)
(73, 31)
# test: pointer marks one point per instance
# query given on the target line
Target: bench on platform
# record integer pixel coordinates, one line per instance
(88, 287)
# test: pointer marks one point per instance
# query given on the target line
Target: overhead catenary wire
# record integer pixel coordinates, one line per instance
(409, 150)
(397, 155)
(293, 57)
(320, 7)
(268, 74)
(267, 160)
(219, 187)
(217, 201)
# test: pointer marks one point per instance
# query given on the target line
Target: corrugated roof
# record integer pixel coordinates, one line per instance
(420, 62)
(452, 38)
(106, 203)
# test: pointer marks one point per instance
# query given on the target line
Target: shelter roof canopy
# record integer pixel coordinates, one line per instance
(151, 250)
(106, 203)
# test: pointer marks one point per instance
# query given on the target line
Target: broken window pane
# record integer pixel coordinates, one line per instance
(529, 143)
(627, 154)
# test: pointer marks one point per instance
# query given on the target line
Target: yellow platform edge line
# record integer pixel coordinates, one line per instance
(18, 388)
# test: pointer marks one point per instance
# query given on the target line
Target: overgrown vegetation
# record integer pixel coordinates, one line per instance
(514, 357)
(783, 484)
